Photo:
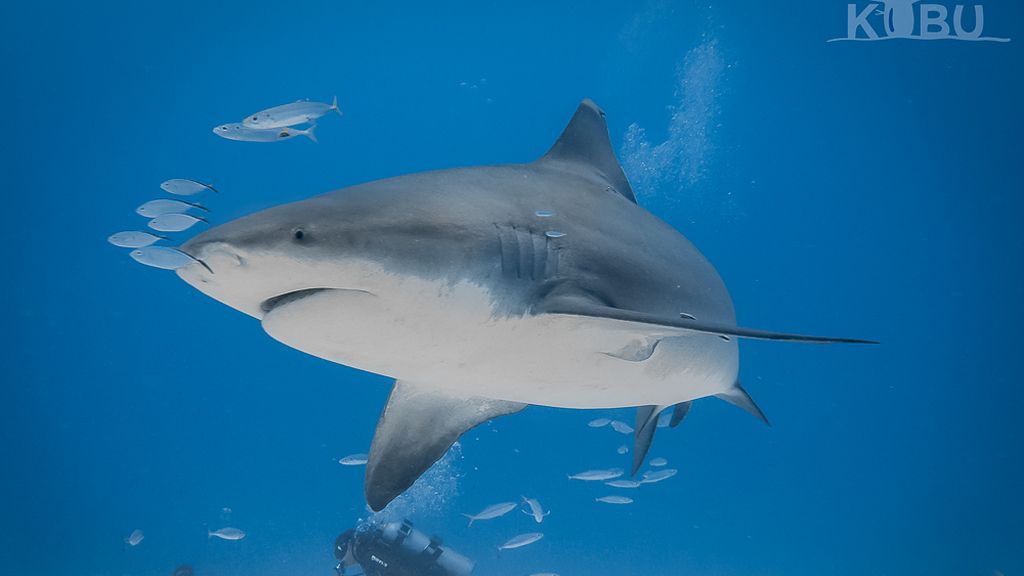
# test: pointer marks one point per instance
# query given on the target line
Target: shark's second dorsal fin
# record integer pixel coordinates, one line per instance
(585, 141)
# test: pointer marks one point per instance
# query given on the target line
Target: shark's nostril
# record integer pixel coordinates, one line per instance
(199, 261)
(214, 254)
(204, 264)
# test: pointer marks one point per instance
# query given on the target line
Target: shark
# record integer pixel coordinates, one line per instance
(483, 290)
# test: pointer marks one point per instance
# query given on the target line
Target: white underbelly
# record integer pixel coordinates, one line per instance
(447, 337)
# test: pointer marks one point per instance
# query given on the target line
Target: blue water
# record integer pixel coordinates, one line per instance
(855, 189)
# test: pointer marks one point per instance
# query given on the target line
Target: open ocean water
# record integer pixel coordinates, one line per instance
(867, 189)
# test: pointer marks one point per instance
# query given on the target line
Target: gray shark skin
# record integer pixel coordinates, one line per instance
(482, 290)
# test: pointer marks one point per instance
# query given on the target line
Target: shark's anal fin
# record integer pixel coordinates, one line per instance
(417, 427)
(646, 424)
(583, 307)
(585, 142)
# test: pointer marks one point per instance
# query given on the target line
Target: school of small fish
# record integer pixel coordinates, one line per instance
(521, 540)
(166, 215)
(227, 533)
(169, 215)
(492, 511)
(354, 460)
(164, 256)
(621, 427)
(651, 476)
(278, 123)
(597, 475)
(134, 538)
(614, 500)
(535, 510)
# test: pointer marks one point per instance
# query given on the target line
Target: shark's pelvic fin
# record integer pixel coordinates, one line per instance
(737, 396)
(679, 412)
(646, 424)
(585, 141)
(584, 307)
(417, 427)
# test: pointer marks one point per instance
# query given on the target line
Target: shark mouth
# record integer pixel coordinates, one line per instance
(294, 296)
(289, 297)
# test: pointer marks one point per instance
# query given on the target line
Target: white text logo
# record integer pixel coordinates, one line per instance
(913, 20)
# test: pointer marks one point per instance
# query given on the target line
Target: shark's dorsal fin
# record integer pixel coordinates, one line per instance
(585, 142)
(417, 427)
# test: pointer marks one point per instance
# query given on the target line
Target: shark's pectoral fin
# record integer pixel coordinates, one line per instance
(679, 412)
(646, 424)
(417, 427)
(577, 306)
(738, 396)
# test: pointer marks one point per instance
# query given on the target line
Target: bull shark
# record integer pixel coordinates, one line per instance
(483, 290)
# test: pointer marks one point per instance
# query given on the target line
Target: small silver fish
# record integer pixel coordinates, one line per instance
(623, 449)
(536, 510)
(134, 239)
(242, 133)
(614, 500)
(185, 187)
(658, 462)
(595, 475)
(624, 483)
(164, 257)
(651, 476)
(492, 511)
(300, 112)
(599, 422)
(226, 534)
(162, 206)
(622, 427)
(134, 538)
(521, 540)
(353, 460)
(174, 222)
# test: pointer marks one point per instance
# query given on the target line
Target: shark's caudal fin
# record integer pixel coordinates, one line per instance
(417, 427)
(584, 307)
(585, 142)
(738, 396)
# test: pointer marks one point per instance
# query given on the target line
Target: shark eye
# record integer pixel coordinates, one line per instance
(298, 234)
